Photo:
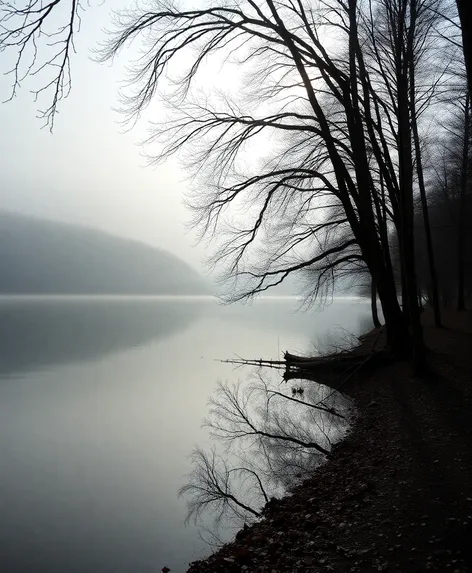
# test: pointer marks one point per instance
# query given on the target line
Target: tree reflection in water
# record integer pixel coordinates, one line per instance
(268, 439)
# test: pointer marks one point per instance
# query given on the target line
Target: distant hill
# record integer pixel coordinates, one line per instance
(45, 257)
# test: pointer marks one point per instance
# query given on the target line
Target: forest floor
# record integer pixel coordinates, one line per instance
(396, 494)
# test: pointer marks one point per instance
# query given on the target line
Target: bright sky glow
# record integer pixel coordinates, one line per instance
(89, 171)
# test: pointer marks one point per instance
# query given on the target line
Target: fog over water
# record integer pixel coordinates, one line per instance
(90, 171)
(102, 399)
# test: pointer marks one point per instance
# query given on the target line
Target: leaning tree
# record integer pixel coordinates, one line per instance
(305, 161)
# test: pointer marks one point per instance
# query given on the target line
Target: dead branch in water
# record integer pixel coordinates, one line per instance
(278, 364)
(341, 365)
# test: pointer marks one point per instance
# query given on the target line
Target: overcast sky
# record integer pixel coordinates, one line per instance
(88, 171)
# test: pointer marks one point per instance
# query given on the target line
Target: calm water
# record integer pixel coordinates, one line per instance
(101, 401)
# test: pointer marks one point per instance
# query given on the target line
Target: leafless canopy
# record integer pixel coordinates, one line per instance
(40, 37)
(301, 157)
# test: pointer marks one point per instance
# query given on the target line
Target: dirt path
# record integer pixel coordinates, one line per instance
(397, 494)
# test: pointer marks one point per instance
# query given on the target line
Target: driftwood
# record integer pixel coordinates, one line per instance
(278, 364)
(334, 370)
(337, 370)
(292, 362)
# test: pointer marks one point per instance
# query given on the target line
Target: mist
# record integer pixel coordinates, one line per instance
(90, 170)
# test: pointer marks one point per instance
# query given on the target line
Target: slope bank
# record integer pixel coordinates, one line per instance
(46, 257)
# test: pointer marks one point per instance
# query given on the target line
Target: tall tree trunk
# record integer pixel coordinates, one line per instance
(424, 202)
(462, 208)
(398, 336)
(463, 7)
(403, 284)
(405, 55)
(368, 233)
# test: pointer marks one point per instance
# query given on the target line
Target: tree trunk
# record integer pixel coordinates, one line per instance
(407, 247)
(463, 7)
(462, 209)
(404, 54)
(367, 232)
(403, 285)
(398, 336)
(424, 202)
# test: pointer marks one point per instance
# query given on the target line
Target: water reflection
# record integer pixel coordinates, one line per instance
(273, 436)
(40, 332)
(93, 452)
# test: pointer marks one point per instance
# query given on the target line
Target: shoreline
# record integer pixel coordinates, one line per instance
(396, 493)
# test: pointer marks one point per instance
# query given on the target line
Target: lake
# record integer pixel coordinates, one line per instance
(102, 401)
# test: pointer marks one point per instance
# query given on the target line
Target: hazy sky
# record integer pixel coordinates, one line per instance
(88, 171)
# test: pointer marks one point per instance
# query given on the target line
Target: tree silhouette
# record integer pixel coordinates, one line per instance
(312, 159)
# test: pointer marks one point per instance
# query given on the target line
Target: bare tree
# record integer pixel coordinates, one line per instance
(450, 202)
(464, 177)
(40, 35)
(424, 16)
(331, 166)
(339, 131)
(400, 35)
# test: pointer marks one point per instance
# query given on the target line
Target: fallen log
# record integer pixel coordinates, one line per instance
(278, 364)
(333, 370)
